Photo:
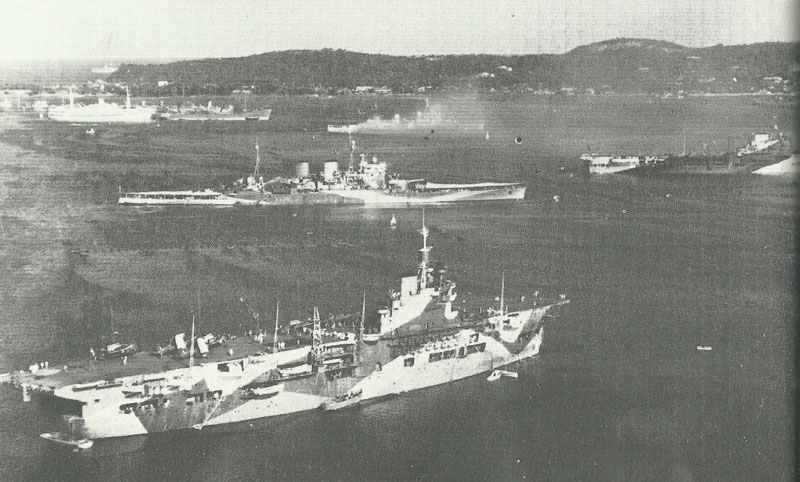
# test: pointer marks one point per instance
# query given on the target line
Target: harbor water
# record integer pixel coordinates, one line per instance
(655, 268)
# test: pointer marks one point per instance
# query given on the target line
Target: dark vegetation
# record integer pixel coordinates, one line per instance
(619, 65)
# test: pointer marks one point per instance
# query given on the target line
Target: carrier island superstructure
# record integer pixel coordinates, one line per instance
(418, 340)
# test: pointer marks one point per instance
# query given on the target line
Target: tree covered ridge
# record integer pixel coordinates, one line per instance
(619, 65)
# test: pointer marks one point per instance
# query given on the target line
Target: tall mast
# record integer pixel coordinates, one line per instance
(363, 315)
(425, 252)
(425, 249)
(502, 291)
(258, 161)
(191, 345)
(316, 337)
(275, 334)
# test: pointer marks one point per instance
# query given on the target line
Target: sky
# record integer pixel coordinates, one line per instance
(137, 29)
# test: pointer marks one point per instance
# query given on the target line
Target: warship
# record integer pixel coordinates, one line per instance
(367, 183)
(418, 340)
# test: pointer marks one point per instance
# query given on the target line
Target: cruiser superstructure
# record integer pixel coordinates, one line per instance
(419, 341)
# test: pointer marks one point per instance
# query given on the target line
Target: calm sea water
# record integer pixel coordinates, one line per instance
(654, 267)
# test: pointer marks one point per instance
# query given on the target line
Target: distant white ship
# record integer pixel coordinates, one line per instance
(101, 112)
(343, 129)
(106, 69)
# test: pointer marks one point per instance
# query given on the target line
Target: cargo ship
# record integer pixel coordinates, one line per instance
(368, 183)
(419, 341)
(102, 112)
(614, 164)
(212, 113)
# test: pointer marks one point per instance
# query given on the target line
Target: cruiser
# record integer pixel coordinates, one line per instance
(421, 342)
(367, 184)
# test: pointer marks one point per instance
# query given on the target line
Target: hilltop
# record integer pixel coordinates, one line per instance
(624, 65)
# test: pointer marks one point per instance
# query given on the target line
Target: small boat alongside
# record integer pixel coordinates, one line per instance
(704, 348)
(65, 441)
(498, 374)
(347, 400)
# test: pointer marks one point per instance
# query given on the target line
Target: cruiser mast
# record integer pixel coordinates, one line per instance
(191, 345)
(363, 315)
(275, 333)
